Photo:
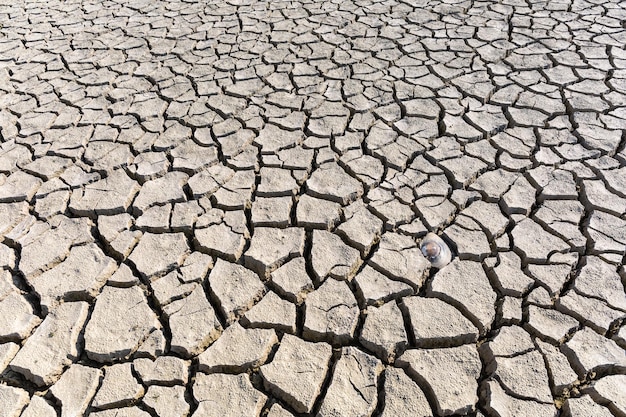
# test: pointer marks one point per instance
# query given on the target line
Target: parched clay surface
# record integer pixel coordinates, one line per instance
(218, 208)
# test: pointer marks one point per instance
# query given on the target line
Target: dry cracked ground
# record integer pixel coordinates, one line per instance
(215, 208)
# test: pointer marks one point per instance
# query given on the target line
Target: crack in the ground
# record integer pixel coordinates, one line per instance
(459, 59)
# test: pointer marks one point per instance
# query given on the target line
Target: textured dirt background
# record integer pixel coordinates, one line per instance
(216, 208)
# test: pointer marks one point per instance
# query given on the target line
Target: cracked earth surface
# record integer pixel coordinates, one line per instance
(215, 208)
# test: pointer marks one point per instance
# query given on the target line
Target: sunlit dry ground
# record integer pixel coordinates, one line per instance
(215, 209)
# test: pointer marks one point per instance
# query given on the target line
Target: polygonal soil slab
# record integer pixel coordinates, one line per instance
(82, 274)
(157, 254)
(121, 320)
(193, 323)
(111, 195)
(450, 374)
(53, 345)
(353, 388)
(331, 313)
(235, 288)
(237, 349)
(221, 395)
(271, 247)
(297, 372)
